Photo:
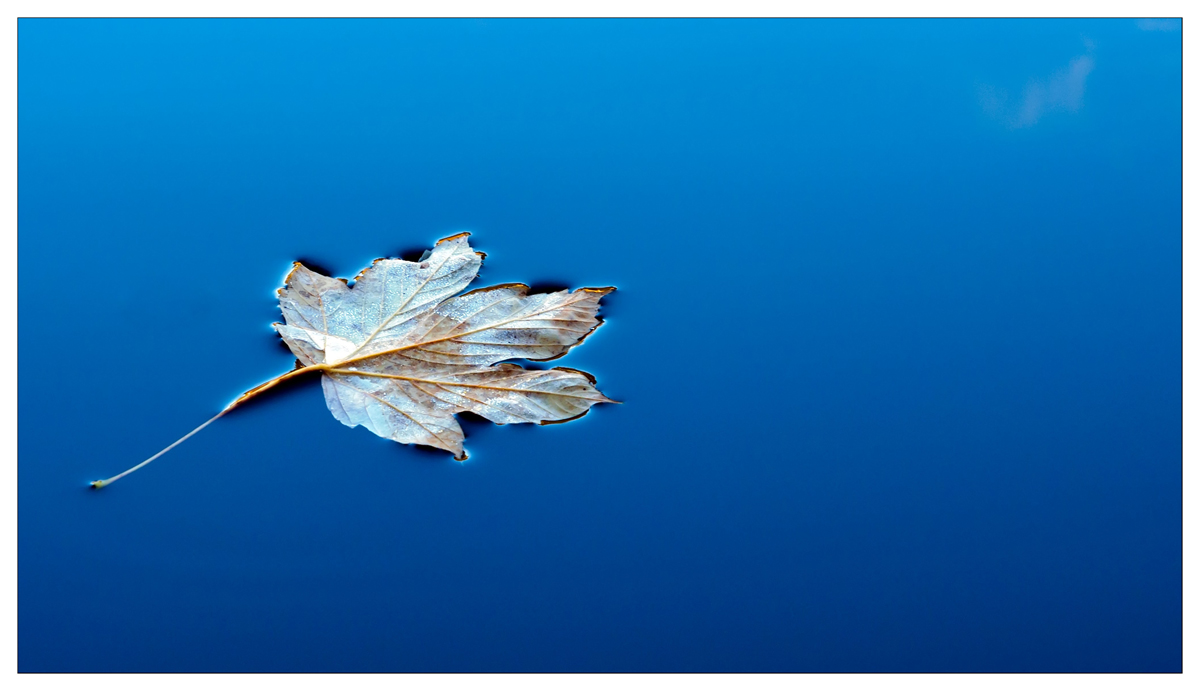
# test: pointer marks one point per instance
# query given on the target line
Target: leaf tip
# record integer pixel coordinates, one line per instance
(452, 238)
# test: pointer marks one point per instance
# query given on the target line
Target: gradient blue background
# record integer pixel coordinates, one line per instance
(898, 332)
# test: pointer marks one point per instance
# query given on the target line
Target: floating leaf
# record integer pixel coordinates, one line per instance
(401, 351)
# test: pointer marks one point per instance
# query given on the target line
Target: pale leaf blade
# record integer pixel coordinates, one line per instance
(392, 291)
(324, 315)
(303, 295)
(392, 412)
(504, 393)
(486, 326)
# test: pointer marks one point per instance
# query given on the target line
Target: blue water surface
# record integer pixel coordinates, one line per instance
(897, 335)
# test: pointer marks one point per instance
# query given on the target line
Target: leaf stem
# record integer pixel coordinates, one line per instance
(271, 383)
(97, 484)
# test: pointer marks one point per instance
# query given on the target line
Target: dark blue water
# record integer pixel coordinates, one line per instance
(897, 329)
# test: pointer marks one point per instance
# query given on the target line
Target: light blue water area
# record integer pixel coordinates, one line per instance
(897, 333)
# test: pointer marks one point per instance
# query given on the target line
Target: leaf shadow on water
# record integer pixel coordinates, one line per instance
(474, 424)
(610, 304)
(408, 254)
(283, 388)
(548, 287)
(420, 452)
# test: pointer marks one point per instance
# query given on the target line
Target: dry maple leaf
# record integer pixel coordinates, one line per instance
(401, 351)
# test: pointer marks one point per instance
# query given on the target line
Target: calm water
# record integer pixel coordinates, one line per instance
(897, 329)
